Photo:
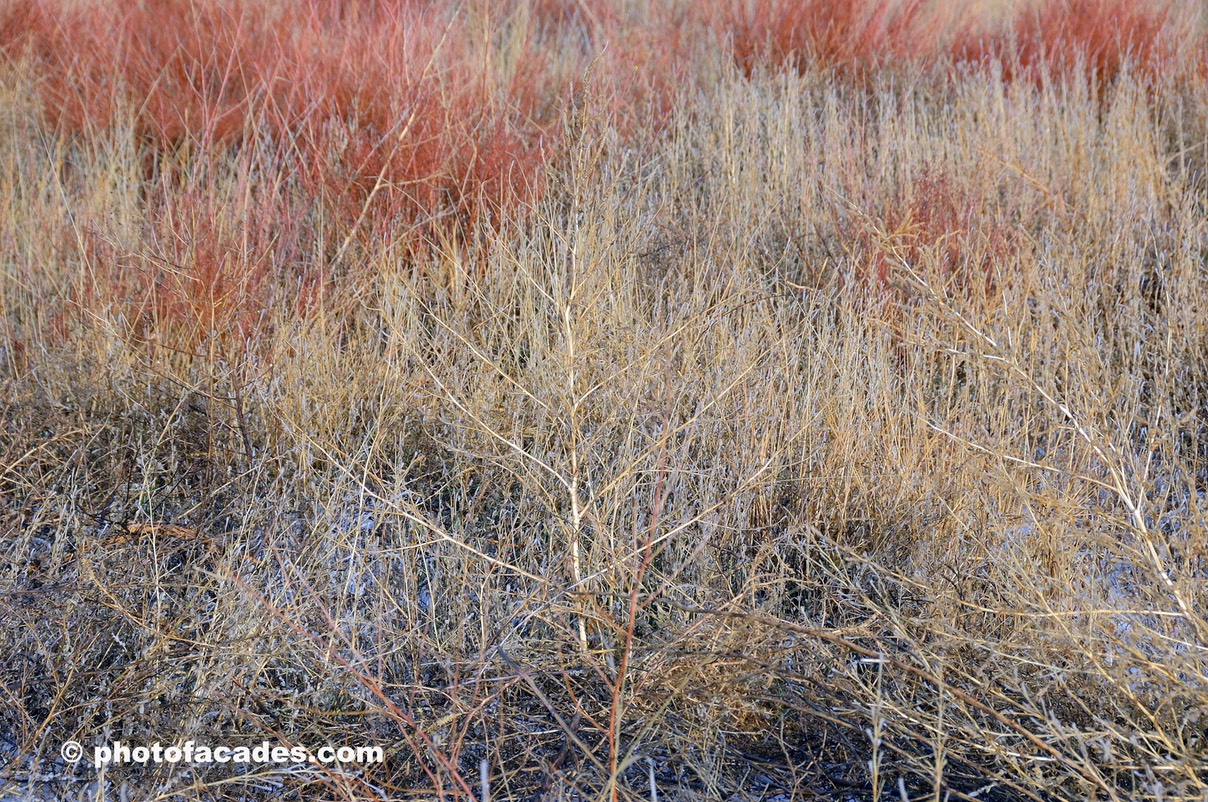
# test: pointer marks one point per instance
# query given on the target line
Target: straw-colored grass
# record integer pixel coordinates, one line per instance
(782, 431)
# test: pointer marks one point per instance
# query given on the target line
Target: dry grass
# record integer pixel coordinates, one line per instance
(572, 397)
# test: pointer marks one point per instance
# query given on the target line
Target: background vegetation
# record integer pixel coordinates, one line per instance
(738, 400)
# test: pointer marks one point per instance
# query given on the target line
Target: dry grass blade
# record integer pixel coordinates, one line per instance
(599, 400)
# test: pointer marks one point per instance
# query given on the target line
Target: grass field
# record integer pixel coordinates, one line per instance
(606, 399)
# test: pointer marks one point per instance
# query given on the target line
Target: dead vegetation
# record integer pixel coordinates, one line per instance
(795, 432)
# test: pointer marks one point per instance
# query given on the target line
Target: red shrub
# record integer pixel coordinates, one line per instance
(851, 35)
(388, 135)
(1056, 38)
(209, 256)
(20, 20)
(199, 269)
(376, 123)
(649, 66)
(188, 61)
(592, 16)
(944, 234)
(636, 59)
(180, 66)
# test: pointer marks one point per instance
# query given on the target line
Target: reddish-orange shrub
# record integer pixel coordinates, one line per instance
(389, 135)
(1061, 38)
(635, 58)
(650, 65)
(158, 296)
(180, 67)
(849, 35)
(19, 20)
(591, 16)
(941, 230)
(198, 268)
(384, 109)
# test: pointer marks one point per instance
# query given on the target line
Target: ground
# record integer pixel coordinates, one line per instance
(756, 400)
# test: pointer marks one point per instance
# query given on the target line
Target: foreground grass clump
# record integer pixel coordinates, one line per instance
(790, 430)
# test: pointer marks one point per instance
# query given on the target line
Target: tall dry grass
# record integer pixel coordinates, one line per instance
(808, 432)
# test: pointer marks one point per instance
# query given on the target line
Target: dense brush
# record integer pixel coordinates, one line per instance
(602, 400)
